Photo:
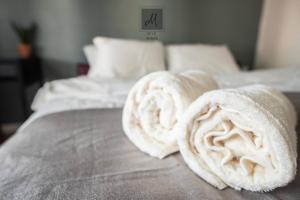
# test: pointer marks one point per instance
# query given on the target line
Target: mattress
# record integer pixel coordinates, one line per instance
(84, 154)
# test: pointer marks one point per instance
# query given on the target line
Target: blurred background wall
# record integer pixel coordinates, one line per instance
(66, 25)
(279, 37)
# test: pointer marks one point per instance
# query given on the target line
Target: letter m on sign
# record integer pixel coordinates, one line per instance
(152, 19)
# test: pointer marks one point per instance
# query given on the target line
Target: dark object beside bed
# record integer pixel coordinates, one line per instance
(16, 75)
(82, 68)
(85, 155)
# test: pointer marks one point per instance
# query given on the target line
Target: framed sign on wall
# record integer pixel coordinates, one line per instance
(152, 21)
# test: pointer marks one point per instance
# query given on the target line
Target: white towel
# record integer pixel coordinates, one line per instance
(154, 105)
(244, 138)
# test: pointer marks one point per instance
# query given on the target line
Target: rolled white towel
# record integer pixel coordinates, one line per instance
(154, 105)
(244, 138)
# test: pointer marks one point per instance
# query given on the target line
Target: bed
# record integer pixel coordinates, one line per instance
(83, 154)
(73, 146)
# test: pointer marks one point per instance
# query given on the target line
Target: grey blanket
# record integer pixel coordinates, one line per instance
(85, 155)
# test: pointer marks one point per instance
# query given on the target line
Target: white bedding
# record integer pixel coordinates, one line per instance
(126, 58)
(283, 79)
(212, 59)
(83, 92)
(106, 93)
(78, 93)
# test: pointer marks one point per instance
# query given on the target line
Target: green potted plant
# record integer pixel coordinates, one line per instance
(26, 36)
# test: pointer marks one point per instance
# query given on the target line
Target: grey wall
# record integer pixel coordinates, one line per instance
(67, 25)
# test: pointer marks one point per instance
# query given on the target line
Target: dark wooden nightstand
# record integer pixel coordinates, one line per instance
(15, 76)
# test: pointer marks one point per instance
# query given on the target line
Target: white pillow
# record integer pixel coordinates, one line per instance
(126, 58)
(213, 59)
(90, 52)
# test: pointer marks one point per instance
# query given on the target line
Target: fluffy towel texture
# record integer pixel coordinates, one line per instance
(154, 105)
(243, 138)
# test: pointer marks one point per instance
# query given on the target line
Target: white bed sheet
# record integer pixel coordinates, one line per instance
(83, 92)
(79, 93)
(283, 79)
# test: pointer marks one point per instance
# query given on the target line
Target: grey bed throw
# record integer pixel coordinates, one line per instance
(85, 155)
